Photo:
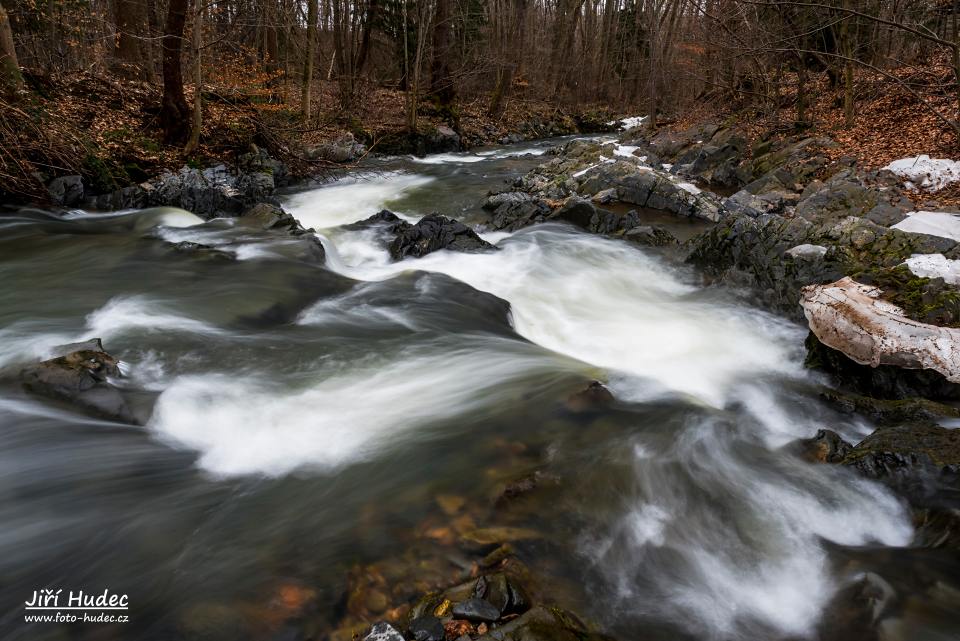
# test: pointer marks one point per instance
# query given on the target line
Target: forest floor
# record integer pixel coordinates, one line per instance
(891, 121)
(105, 128)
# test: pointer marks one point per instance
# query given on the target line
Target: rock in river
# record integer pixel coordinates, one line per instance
(80, 378)
(476, 610)
(435, 232)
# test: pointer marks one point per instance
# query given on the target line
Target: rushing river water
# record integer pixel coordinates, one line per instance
(300, 421)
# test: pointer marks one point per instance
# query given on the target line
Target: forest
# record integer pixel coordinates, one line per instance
(303, 70)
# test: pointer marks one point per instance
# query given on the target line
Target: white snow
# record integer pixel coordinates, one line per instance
(924, 172)
(934, 223)
(628, 123)
(625, 150)
(603, 160)
(689, 187)
(807, 251)
(935, 266)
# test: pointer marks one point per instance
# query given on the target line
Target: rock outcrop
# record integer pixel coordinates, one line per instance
(209, 193)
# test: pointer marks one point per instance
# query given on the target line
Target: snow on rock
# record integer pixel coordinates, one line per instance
(689, 187)
(924, 172)
(934, 223)
(935, 266)
(626, 151)
(807, 251)
(850, 317)
(628, 123)
(603, 160)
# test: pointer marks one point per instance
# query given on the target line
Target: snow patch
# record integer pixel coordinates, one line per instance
(689, 187)
(934, 266)
(628, 123)
(934, 223)
(924, 172)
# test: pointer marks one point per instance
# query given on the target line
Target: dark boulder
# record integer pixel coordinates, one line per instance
(426, 628)
(914, 457)
(270, 217)
(825, 447)
(66, 190)
(477, 610)
(511, 214)
(650, 236)
(81, 378)
(383, 219)
(435, 232)
(584, 215)
(883, 381)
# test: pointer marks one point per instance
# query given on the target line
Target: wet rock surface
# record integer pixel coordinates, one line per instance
(218, 191)
(81, 378)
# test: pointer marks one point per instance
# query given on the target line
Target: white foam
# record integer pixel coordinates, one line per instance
(607, 304)
(351, 199)
(243, 425)
(123, 313)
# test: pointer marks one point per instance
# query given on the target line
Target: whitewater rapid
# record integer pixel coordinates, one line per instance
(756, 565)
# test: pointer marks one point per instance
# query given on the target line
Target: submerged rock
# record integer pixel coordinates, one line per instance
(81, 378)
(476, 610)
(594, 396)
(426, 628)
(435, 232)
(825, 447)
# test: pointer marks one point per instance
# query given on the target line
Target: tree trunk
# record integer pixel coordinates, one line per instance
(197, 80)
(848, 52)
(173, 110)
(441, 79)
(129, 52)
(372, 9)
(10, 76)
(311, 54)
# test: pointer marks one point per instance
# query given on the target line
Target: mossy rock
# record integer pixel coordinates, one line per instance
(890, 412)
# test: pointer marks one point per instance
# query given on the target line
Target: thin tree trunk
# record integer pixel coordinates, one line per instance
(173, 110)
(10, 76)
(311, 54)
(441, 79)
(197, 80)
(129, 51)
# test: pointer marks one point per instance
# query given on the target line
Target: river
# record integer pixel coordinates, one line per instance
(301, 421)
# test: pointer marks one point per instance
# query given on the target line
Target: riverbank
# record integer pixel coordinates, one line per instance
(102, 131)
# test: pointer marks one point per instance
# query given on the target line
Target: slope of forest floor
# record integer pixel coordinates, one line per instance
(105, 128)
(895, 117)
